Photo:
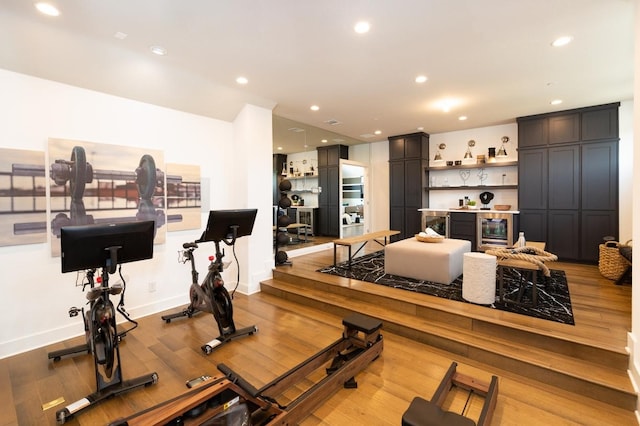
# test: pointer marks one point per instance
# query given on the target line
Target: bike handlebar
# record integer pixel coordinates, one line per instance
(189, 245)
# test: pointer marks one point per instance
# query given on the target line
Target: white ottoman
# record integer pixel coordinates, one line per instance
(437, 262)
(479, 278)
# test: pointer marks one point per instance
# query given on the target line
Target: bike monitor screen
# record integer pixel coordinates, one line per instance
(91, 246)
(229, 224)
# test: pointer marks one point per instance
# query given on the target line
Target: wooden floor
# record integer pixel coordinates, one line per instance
(289, 333)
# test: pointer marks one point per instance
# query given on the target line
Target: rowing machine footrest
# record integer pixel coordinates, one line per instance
(426, 413)
(362, 323)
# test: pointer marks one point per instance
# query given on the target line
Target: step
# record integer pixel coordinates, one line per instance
(463, 337)
(493, 323)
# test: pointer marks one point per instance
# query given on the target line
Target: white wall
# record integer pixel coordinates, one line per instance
(35, 294)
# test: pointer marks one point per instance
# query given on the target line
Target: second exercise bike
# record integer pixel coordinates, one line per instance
(211, 295)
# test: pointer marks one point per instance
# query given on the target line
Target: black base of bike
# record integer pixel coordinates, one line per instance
(209, 347)
(110, 391)
(187, 312)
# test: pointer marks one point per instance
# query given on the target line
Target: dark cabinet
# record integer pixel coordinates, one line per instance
(462, 226)
(564, 128)
(568, 182)
(408, 160)
(329, 181)
(532, 172)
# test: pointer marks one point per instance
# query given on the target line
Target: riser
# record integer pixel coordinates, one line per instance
(605, 357)
(622, 398)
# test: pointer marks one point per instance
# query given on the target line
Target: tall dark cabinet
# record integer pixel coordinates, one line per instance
(329, 181)
(568, 179)
(408, 160)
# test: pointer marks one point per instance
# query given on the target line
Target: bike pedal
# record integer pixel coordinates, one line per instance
(73, 312)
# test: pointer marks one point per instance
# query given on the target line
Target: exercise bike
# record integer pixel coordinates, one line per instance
(83, 248)
(211, 295)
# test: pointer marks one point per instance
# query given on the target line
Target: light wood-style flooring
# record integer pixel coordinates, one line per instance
(290, 332)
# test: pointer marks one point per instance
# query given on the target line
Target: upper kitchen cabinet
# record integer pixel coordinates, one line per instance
(566, 127)
(412, 146)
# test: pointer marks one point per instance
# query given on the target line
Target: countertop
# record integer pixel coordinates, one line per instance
(477, 210)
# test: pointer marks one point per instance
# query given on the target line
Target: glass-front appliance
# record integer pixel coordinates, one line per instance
(436, 220)
(494, 230)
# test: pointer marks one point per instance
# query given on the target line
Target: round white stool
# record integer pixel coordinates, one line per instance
(479, 278)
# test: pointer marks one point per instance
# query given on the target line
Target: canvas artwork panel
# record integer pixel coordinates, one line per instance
(99, 183)
(23, 198)
(184, 200)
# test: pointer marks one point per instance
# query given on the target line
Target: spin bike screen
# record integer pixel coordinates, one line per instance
(221, 224)
(88, 246)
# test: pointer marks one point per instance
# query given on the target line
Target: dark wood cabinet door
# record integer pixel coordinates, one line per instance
(323, 157)
(396, 183)
(600, 124)
(462, 226)
(532, 132)
(333, 186)
(412, 222)
(600, 175)
(532, 178)
(534, 224)
(564, 177)
(396, 149)
(595, 226)
(563, 235)
(396, 221)
(323, 184)
(413, 183)
(564, 128)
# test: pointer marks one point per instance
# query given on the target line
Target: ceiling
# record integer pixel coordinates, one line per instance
(493, 58)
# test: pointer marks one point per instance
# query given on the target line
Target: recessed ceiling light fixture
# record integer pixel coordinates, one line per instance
(314, 108)
(377, 132)
(242, 80)
(47, 8)
(462, 117)
(561, 41)
(421, 79)
(158, 50)
(362, 27)
(556, 102)
(324, 141)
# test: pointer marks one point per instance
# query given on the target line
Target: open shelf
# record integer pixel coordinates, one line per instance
(474, 166)
(436, 188)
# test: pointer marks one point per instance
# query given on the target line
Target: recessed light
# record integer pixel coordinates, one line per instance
(279, 148)
(556, 102)
(47, 9)
(462, 117)
(362, 27)
(324, 141)
(562, 41)
(314, 108)
(420, 129)
(421, 79)
(242, 80)
(158, 50)
(378, 132)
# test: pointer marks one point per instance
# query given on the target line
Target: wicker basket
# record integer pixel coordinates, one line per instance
(611, 264)
(429, 239)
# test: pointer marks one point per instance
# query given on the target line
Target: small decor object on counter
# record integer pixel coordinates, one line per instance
(480, 159)
(485, 199)
(521, 241)
(502, 207)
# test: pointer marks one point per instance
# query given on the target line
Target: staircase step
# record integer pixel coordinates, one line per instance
(596, 372)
